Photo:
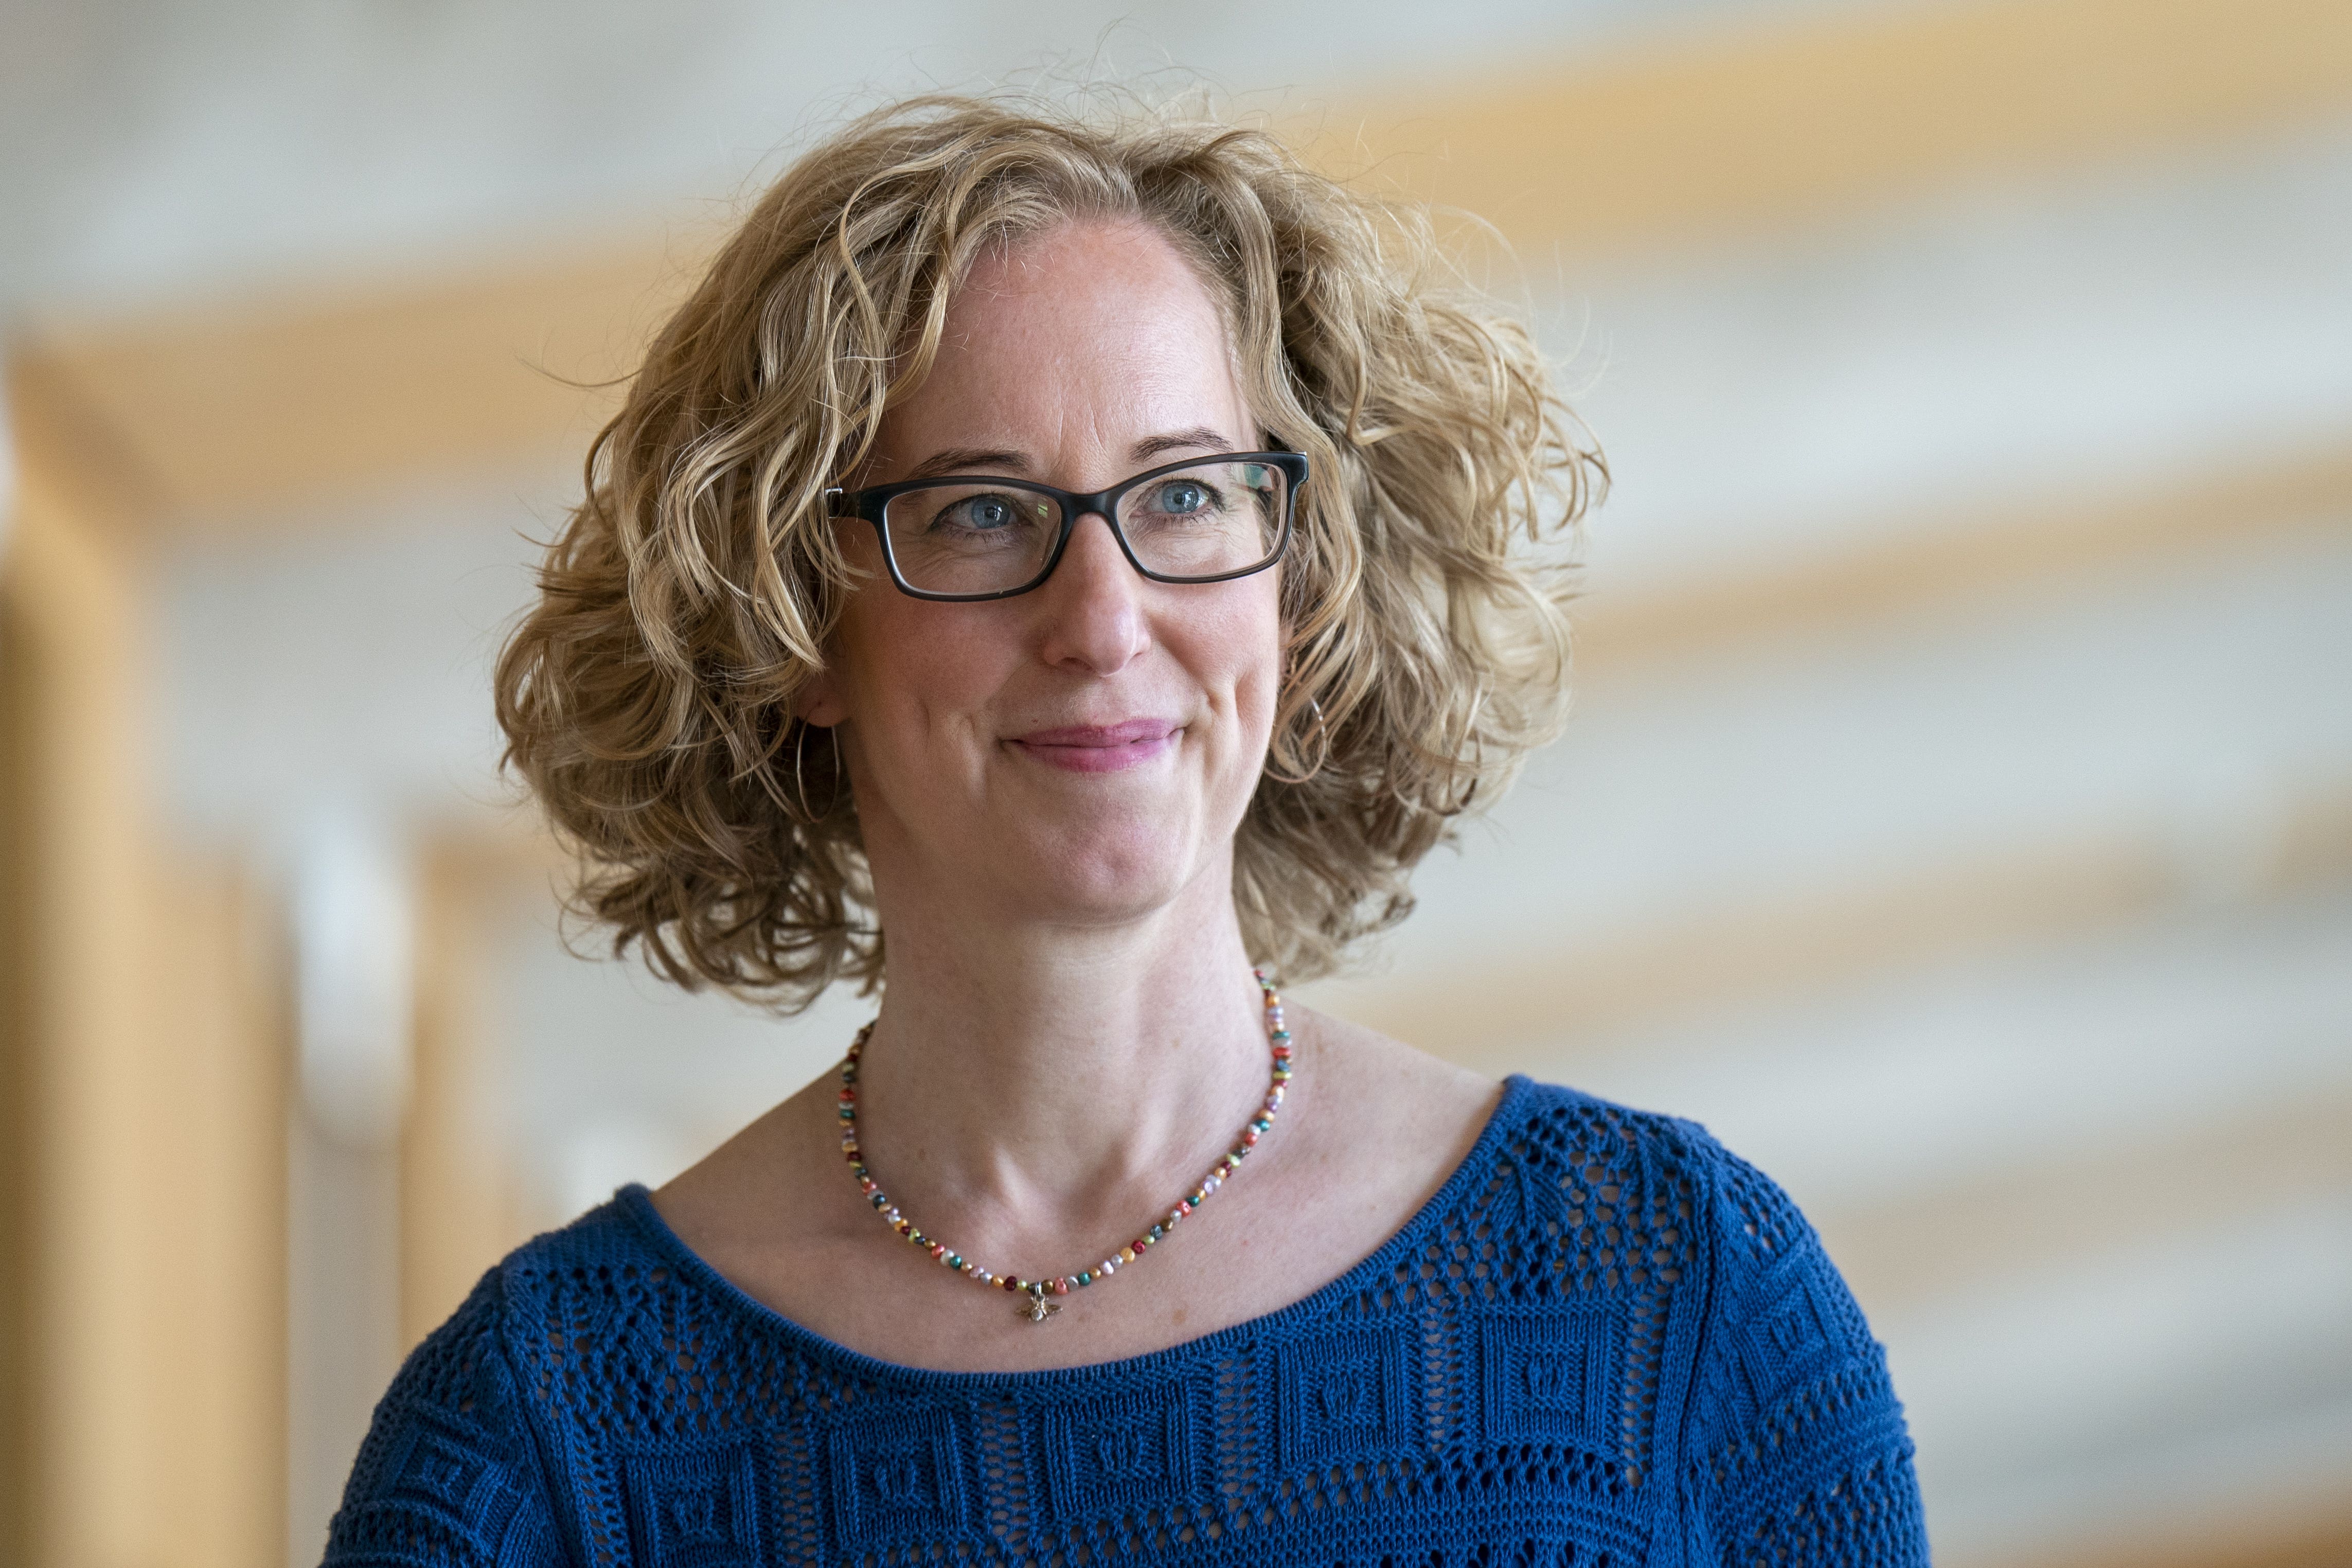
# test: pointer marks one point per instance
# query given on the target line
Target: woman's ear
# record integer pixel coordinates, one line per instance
(819, 703)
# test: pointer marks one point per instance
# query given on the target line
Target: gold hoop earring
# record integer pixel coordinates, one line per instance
(809, 814)
(1322, 733)
(800, 784)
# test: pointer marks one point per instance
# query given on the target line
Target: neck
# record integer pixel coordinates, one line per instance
(1039, 1078)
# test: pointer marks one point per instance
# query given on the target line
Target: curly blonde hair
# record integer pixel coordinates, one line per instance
(647, 698)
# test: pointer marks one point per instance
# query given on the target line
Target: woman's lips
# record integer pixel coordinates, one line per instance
(1101, 747)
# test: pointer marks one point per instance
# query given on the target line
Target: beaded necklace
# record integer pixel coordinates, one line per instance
(1041, 1304)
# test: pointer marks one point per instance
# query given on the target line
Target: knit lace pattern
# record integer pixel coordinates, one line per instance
(1605, 1342)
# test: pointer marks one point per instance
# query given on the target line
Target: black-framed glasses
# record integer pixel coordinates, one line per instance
(1205, 519)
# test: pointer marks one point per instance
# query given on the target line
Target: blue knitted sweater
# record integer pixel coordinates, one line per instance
(1605, 1342)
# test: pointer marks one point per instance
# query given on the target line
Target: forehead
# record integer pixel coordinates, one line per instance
(1090, 323)
(1097, 271)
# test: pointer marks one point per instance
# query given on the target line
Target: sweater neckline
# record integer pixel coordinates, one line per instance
(635, 1204)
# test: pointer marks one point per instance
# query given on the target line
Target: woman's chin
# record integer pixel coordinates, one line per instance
(1105, 878)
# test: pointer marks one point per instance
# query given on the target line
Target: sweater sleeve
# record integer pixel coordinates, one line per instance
(449, 1475)
(1798, 1454)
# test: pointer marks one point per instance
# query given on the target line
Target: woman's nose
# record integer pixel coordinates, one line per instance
(1092, 606)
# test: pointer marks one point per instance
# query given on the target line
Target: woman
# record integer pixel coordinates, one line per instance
(1090, 559)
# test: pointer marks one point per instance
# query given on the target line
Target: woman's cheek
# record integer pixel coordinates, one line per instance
(1255, 688)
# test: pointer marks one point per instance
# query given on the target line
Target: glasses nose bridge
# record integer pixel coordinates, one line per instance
(1076, 509)
(1099, 505)
(1103, 504)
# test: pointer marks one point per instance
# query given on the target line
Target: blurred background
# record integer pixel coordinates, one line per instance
(1956, 816)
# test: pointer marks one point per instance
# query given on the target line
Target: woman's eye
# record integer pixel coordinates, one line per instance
(984, 512)
(1180, 496)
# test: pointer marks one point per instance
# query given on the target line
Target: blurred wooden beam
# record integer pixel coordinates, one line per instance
(244, 416)
(148, 1050)
(20, 1126)
(214, 1207)
(1778, 125)
(88, 879)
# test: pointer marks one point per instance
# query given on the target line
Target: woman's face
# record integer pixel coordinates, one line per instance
(1081, 753)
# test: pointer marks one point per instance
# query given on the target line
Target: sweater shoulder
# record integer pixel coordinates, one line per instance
(1624, 1153)
(1562, 1108)
(609, 1238)
(1731, 1233)
(1704, 1203)
(449, 1471)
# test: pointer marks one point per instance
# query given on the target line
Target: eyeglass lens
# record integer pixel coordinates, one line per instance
(1208, 521)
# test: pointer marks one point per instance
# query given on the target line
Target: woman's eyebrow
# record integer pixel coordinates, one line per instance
(1200, 438)
(967, 460)
(979, 459)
